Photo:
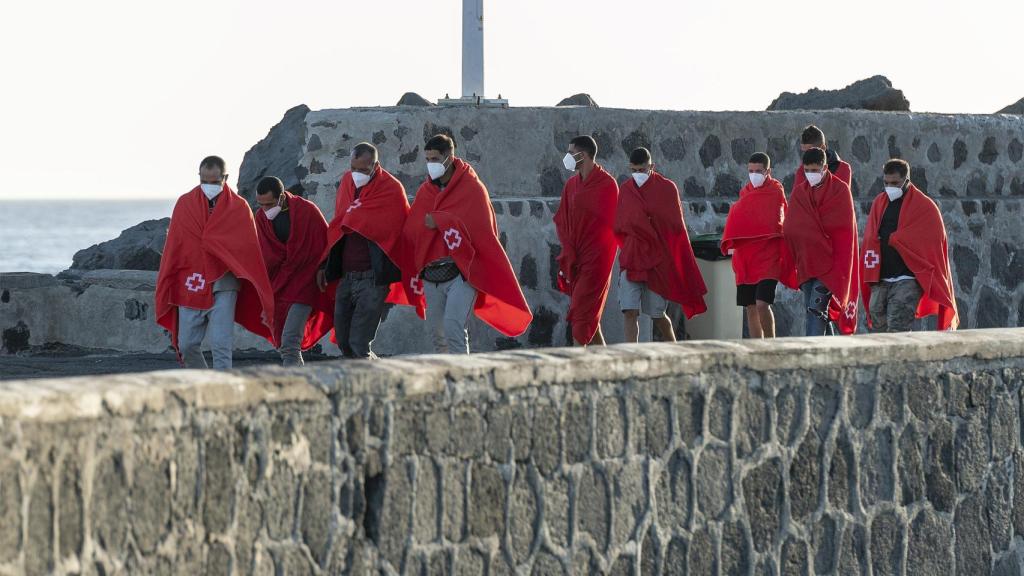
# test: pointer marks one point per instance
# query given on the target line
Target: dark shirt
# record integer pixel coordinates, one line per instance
(892, 263)
(355, 253)
(832, 159)
(355, 250)
(282, 226)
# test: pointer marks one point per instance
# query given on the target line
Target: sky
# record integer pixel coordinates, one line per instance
(122, 98)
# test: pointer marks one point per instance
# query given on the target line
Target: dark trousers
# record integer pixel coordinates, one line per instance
(358, 309)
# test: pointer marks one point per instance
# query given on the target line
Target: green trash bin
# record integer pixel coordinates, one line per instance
(723, 319)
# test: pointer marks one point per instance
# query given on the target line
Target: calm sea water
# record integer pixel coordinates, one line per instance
(43, 235)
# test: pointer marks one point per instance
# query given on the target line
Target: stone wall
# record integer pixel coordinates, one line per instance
(971, 164)
(864, 455)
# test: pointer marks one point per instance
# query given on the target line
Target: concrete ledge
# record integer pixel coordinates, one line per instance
(69, 399)
(825, 455)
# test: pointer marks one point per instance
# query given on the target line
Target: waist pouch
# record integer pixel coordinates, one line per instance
(440, 273)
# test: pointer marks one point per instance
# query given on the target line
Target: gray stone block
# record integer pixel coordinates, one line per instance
(713, 481)
(929, 549)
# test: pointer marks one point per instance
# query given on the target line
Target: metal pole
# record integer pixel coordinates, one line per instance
(473, 48)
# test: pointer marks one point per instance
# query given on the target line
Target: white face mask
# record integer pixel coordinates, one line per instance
(756, 179)
(814, 177)
(894, 192)
(640, 178)
(569, 161)
(360, 179)
(272, 213)
(436, 169)
(211, 190)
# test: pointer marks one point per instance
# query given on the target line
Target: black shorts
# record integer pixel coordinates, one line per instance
(747, 294)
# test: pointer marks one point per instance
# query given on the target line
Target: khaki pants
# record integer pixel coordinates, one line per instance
(893, 305)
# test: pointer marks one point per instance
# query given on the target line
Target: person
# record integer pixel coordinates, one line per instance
(456, 251)
(366, 253)
(905, 271)
(760, 256)
(656, 260)
(813, 137)
(292, 234)
(585, 222)
(212, 272)
(821, 231)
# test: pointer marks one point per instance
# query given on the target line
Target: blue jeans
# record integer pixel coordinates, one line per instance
(816, 299)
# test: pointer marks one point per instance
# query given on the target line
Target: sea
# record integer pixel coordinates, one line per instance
(43, 235)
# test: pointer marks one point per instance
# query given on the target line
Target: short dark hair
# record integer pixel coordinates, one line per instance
(812, 135)
(586, 144)
(897, 166)
(269, 184)
(760, 158)
(639, 156)
(214, 162)
(364, 148)
(441, 143)
(814, 156)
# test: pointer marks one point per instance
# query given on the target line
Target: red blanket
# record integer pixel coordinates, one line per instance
(654, 245)
(379, 215)
(585, 223)
(844, 172)
(920, 239)
(467, 231)
(292, 268)
(821, 230)
(753, 234)
(200, 248)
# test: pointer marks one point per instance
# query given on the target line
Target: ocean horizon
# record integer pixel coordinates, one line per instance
(44, 235)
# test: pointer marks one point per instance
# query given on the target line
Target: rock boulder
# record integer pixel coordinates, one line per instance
(137, 248)
(413, 99)
(278, 154)
(581, 99)
(875, 93)
(1015, 108)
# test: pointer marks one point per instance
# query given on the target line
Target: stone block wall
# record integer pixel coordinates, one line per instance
(970, 164)
(864, 455)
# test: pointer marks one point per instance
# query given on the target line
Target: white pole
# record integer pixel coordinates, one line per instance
(473, 48)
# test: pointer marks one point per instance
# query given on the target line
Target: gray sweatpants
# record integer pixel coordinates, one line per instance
(358, 308)
(893, 305)
(291, 334)
(448, 307)
(218, 323)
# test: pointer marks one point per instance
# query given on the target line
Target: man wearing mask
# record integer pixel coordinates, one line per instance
(813, 137)
(367, 252)
(585, 224)
(212, 272)
(655, 258)
(760, 256)
(905, 265)
(293, 234)
(462, 264)
(821, 231)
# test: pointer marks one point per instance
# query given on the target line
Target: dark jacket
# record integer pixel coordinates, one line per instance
(384, 270)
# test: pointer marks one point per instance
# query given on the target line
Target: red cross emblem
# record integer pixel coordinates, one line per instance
(871, 259)
(416, 284)
(195, 282)
(355, 204)
(452, 238)
(851, 310)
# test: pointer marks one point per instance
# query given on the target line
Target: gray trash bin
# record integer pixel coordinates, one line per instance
(723, 319)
